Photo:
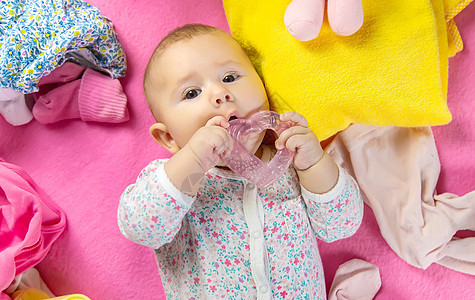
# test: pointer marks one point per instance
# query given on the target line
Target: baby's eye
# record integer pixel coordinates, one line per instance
(230, 78)
(192, 94)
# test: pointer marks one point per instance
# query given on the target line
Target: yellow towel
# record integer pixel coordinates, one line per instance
(393, 71)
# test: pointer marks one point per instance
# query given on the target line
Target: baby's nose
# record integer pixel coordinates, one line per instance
(222, 99)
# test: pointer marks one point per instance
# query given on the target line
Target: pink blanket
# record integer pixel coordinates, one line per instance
(84, 167)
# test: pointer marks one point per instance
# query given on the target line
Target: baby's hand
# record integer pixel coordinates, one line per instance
(301, 140)
(209, 142)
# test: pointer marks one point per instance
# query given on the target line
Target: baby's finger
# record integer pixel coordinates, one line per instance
(297, 142)
(218, 121)
(284, 136)
(223, 138)
(221, 148)
(294, 117)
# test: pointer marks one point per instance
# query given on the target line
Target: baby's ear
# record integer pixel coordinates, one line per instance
(160, 134)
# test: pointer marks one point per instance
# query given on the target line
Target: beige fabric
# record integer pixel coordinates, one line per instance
(29, 279)
(355, 279)
(397, 170)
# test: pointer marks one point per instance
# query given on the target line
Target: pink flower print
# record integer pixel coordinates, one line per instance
(339, 205)
(287, 269)
(271, 204)
(209, 175)
(215, 234)
(347, 201)
(296, 261)
(213, 288)
(193, 214)
(237, 262)
(241, 280)
(197, 280)
(347, 222)
(173, 201)
(283, 294)
(216, 265)
(202, 220)
(302, 255)
(155, 219)
(233, 228)
(275, 229)
(227, 262)
(178, 207)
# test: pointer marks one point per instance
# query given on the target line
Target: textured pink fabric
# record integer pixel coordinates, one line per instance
(85, 166)
(101, 99)
(29, 223)
(69, 92)
(61, 103)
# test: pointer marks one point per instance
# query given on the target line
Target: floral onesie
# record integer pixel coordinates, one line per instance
(235, 241)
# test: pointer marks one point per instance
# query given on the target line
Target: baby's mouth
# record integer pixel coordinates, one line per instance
(232, 118)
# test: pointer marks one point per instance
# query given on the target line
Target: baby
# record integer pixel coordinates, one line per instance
(214, 233)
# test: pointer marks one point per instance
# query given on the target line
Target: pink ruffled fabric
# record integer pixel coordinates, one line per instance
(29, 223)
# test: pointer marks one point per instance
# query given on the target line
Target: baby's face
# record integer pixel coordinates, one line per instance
(204, 77)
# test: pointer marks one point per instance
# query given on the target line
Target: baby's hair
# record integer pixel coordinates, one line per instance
(183, 33)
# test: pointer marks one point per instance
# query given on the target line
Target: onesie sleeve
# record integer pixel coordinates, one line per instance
(152, 209)
(338, 213)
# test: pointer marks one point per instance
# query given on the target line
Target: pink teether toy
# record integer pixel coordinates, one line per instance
(246, 164)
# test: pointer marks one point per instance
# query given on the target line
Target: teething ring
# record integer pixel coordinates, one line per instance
(246, 164)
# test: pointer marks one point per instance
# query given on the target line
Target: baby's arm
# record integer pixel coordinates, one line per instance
(151, 210)
(317, 171)
(338, 213)
(201, 153)
(334, 203)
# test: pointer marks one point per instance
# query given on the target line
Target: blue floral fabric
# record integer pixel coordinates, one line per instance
(37, 36)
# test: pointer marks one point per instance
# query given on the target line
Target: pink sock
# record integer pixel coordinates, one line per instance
(65, 73)
(101, 99)
(59, 104)
(94, 97)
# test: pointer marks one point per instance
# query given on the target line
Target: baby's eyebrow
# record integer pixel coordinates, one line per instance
(227, 62)
(184, 79)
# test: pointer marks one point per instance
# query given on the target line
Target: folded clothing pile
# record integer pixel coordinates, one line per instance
(38, 36)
